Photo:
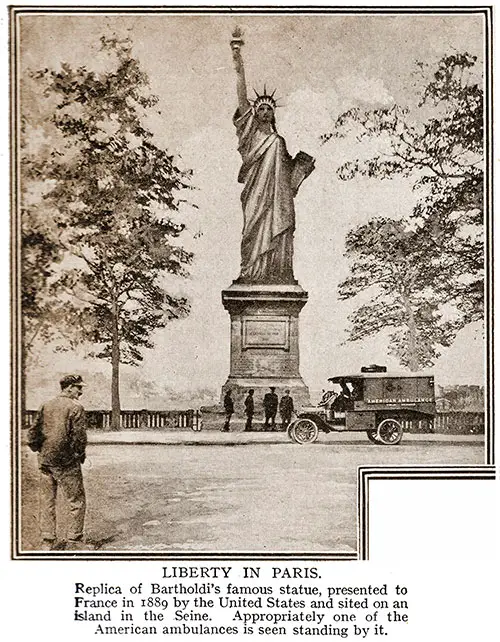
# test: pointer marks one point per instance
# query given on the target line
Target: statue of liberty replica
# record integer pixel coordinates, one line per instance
(271, 179)
(264, 302)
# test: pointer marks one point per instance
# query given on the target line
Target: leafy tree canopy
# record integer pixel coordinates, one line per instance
(438, 145)
(112, 192)
(391, 263)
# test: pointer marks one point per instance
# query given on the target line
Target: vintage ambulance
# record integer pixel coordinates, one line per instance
(373, 401)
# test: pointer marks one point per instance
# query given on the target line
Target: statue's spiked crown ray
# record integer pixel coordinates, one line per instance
(265, 99)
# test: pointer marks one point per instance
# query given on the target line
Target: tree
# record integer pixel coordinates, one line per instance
(115, 193)
(43, 317)
(392, 265)
(438, 146)
(41, 247)
(39, 252)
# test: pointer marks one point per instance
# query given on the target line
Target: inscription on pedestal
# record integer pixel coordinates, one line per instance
(266, 332)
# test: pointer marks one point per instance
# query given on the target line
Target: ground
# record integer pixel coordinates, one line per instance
(211, 491)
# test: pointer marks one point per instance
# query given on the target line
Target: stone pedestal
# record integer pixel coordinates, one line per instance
(264, 342)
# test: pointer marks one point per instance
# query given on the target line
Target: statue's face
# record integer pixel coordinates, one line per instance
(265, 113)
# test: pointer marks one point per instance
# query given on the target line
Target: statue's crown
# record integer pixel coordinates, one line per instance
(265, 99)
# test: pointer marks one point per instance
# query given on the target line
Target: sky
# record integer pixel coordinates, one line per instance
(320, 66)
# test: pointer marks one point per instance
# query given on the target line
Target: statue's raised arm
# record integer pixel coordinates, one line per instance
(241, 87)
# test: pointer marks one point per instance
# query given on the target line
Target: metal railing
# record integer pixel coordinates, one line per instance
(138, 419)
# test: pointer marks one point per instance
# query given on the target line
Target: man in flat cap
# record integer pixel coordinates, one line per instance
(59, 436)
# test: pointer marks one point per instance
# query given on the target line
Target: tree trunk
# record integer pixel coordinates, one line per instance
(412, 336)
(115, 369)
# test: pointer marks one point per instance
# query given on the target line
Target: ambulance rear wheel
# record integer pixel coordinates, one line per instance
(389, 432)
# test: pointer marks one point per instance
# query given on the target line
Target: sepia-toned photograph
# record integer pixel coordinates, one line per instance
(251, 256)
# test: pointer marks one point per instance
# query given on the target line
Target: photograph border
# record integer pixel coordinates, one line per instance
(365, 474)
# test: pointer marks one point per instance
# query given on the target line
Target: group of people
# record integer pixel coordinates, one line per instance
(271, 405)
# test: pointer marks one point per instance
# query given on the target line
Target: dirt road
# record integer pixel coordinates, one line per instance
(235, 496)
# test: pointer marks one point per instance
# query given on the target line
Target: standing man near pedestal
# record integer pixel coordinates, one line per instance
(249, 409)
(228, 409)
(270, 408)
(286, 409)
(59, 436)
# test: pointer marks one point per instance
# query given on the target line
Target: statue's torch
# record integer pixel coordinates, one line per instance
(237, 41)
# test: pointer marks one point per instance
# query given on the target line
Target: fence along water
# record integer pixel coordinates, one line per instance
(138, 419)
(457, 423)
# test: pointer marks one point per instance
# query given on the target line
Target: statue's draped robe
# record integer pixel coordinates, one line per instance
(267, 201)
